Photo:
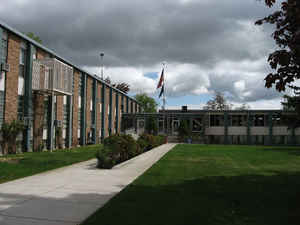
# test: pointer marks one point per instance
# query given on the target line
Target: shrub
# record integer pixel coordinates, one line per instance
(120, 147)
(131, 146)
(148, 141)
(105, 158)
(9, 132)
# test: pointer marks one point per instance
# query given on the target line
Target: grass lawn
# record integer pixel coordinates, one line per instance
(22, 165)
(224, 185)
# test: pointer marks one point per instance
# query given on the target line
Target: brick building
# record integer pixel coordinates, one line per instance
(61, 104)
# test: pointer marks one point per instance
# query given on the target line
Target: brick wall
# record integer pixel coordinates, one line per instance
(113, 118)
(89, 90)
(75, 109)
(11, 88)
(119, 113)
(98, 111)
(106, 110)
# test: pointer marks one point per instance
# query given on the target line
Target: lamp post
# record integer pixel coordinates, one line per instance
(102, 64)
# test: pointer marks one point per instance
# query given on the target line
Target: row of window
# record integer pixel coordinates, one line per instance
(243, 120)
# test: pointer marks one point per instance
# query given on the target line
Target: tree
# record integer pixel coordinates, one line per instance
(244, 106)
(34, 37)
(148, 104)
(286, 59)
(218, 103)
(124, 87)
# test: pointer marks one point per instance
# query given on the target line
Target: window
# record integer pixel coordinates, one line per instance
(22, 62)
(216, 120)
(238, 120)
(259, 120)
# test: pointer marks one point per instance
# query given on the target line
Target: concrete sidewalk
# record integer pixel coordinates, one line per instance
(69, 195)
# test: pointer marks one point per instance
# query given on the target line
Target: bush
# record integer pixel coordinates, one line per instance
(105, 158)
(9, 132)
(120, 147)
(148, 141)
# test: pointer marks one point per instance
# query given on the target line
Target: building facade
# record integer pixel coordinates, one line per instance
(60, 104)
(252, 127)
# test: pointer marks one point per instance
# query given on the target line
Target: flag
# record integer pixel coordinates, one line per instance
(161, 80)
(162, 90)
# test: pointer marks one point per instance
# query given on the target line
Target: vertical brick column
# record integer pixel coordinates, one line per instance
(106, 110)
(120, 112)
(95, 110)
(75, 109)
(113, 111)
(11, 85)
(110, 116)
(83, 108)
(103, 113)
(99, 111)
(89, 88)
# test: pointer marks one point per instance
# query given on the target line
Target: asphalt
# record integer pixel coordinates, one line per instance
(69, 195)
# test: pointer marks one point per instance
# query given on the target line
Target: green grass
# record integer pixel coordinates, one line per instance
(27, 164)
(210, 185)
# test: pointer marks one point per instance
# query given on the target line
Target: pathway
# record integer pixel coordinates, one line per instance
(69, 195)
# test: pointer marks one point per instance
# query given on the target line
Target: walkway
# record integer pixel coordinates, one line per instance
(69, 195)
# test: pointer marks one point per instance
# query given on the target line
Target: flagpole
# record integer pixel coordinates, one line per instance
(165, 87)
(164, 99)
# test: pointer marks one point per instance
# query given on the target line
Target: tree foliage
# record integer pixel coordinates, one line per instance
(124, 87)
(286, 59)
(148, 104)
(218, 103)
(34, 37)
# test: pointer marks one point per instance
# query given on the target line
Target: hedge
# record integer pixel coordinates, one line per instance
(120, 147)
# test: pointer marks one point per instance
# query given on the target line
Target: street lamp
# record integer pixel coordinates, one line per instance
(102, 65)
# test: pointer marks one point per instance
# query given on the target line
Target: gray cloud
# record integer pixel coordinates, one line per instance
(139, 34)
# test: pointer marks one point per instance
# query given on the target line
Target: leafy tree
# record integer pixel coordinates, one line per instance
(286, 59)
(34, 37)
(148, 104)
(218, 103)
(124, 87)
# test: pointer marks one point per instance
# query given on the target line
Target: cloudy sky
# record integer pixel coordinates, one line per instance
(208, 45)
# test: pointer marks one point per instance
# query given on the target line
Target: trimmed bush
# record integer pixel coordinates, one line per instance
(148, 141)
(120, 147)
(105, 158)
